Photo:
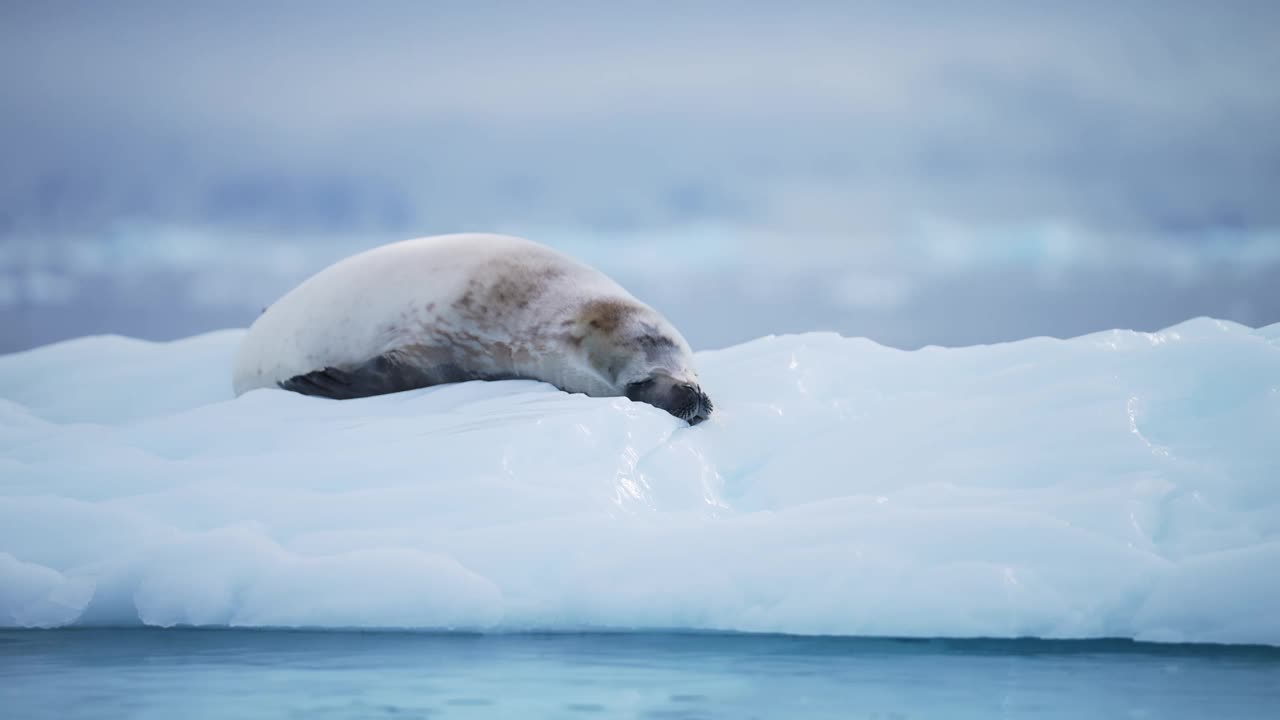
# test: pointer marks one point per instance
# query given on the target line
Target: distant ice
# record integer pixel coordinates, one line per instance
(1117, 484)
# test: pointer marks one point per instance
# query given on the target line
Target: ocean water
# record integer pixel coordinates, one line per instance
(152, 673)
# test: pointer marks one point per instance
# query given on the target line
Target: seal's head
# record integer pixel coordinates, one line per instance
(643, 357)
(685, 400)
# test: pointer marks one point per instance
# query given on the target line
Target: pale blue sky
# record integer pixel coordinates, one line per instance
(913, 172)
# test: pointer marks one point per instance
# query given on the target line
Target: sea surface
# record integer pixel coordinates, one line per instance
(189, 674)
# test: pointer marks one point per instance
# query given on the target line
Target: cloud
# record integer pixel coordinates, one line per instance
(1153, 112)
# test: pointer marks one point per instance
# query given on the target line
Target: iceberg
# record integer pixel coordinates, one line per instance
(1119, 484)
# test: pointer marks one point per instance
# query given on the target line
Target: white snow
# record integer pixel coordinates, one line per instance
(1117, 484)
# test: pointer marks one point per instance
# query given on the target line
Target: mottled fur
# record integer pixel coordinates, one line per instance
(467, 307)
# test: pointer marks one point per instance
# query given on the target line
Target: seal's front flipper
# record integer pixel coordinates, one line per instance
(328, 382)
(387, 373)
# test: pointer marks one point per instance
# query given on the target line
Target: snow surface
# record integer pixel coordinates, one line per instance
(1117, 484)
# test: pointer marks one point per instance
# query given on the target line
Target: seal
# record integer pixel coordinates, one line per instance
(452, 308)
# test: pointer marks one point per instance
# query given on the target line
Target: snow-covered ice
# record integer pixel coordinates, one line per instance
(1117, 484)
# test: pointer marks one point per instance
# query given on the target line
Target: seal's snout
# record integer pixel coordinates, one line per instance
(693, 404)
(684, 400)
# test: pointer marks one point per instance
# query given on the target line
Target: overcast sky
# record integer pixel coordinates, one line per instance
(912, 172)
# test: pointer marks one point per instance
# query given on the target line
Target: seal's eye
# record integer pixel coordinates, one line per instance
(635, 389)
